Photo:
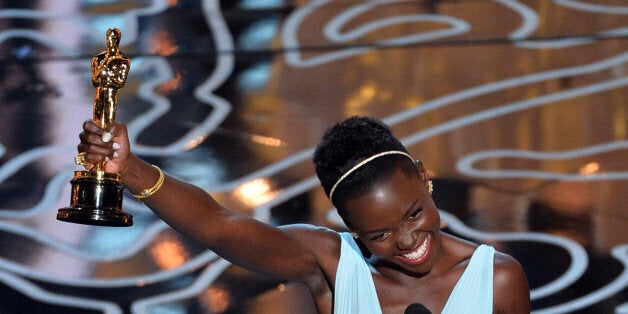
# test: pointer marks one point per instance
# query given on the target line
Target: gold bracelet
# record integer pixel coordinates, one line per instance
(152, 190)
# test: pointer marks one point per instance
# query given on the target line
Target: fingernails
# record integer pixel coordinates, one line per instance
(116, 146)
(107, 158)
(106, 137)
(115, 154)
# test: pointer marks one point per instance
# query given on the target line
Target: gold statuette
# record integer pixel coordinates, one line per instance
(97, 195)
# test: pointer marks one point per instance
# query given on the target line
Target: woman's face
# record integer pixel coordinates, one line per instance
(398, 222)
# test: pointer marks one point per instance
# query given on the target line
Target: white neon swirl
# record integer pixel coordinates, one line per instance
(200, 284)
(220, 107)
(617, 285)
(332, 31)
(35, 292)
(465, 165)
(578, 255)
(593, 8)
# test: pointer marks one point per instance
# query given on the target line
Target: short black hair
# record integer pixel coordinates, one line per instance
(346, 144)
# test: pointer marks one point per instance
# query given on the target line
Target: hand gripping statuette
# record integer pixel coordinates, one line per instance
(97, 195)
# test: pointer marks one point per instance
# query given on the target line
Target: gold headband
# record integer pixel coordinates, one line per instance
(362, 163)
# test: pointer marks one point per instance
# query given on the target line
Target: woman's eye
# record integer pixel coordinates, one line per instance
(380, 236)
(416, 213)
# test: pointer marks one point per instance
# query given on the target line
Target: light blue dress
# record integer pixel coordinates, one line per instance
(355, 290)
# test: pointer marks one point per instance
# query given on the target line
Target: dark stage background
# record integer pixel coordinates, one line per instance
(518, 108)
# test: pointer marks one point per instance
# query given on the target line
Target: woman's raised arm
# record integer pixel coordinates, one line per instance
(194, 213)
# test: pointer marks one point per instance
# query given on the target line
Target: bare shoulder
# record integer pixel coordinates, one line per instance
(511, 293)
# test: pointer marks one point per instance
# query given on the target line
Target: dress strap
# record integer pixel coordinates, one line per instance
(354, 290)
(474, 289)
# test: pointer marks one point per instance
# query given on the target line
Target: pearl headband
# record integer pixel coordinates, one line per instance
(364, 162)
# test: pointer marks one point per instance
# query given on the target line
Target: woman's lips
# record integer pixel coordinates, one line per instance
(419, 254)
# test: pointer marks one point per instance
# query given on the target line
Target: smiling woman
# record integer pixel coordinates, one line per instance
(384, 197)
(397, 257)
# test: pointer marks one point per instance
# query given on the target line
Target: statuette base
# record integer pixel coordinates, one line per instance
(96, 200)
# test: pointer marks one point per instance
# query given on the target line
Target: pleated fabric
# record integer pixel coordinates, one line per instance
(355, 290)
(473, 292)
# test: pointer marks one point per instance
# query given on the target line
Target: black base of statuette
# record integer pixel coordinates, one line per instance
(96, 200)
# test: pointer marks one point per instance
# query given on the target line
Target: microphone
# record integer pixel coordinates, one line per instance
(417, 308)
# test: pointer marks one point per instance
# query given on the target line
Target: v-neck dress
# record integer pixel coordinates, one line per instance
(355, 292)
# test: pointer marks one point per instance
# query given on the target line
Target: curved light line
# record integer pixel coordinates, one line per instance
(505, 84)
(12, 166)
(35, 15)
(36, 293)
(40, 38)
(263, 213)
(465, 164)
(220, 107)
(578, 255)
(513, 107)
(459, 27)
(621, 282)
(130, 31)
(203, 280)
(267, 171)
(293, 22)
(190, 266)
(131, 19)
(622, 309)
(595, 8)
(529, 16)
(160, 104)
(137, 245)
(564, 43)
(332, 30)
(48, 199)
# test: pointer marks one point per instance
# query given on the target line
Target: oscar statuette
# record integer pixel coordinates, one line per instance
(97, 195)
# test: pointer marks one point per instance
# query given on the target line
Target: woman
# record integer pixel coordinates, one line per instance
(395, 256)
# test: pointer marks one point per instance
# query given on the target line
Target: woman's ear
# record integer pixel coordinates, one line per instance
(423, 175)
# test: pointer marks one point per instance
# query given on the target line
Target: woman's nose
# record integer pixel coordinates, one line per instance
(406, 239)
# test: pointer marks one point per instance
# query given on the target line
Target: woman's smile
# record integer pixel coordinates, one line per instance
(419, 254)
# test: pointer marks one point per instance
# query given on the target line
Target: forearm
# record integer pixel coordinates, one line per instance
(234, 236)
(187, 208)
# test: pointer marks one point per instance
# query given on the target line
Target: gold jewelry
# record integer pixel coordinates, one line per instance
(80, 159)
(430, 187)
(152, 190)
(362, 163)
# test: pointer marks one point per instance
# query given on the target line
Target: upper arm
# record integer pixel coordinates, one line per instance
(263, 248)
(510, 291)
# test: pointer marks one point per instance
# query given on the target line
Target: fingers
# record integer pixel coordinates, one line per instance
(114, 130)
(95, 153)
(97, 143)
(92, 127)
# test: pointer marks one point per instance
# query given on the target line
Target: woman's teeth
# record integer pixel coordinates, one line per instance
(419, 252)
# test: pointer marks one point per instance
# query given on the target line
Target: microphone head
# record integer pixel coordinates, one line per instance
(417, 308)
